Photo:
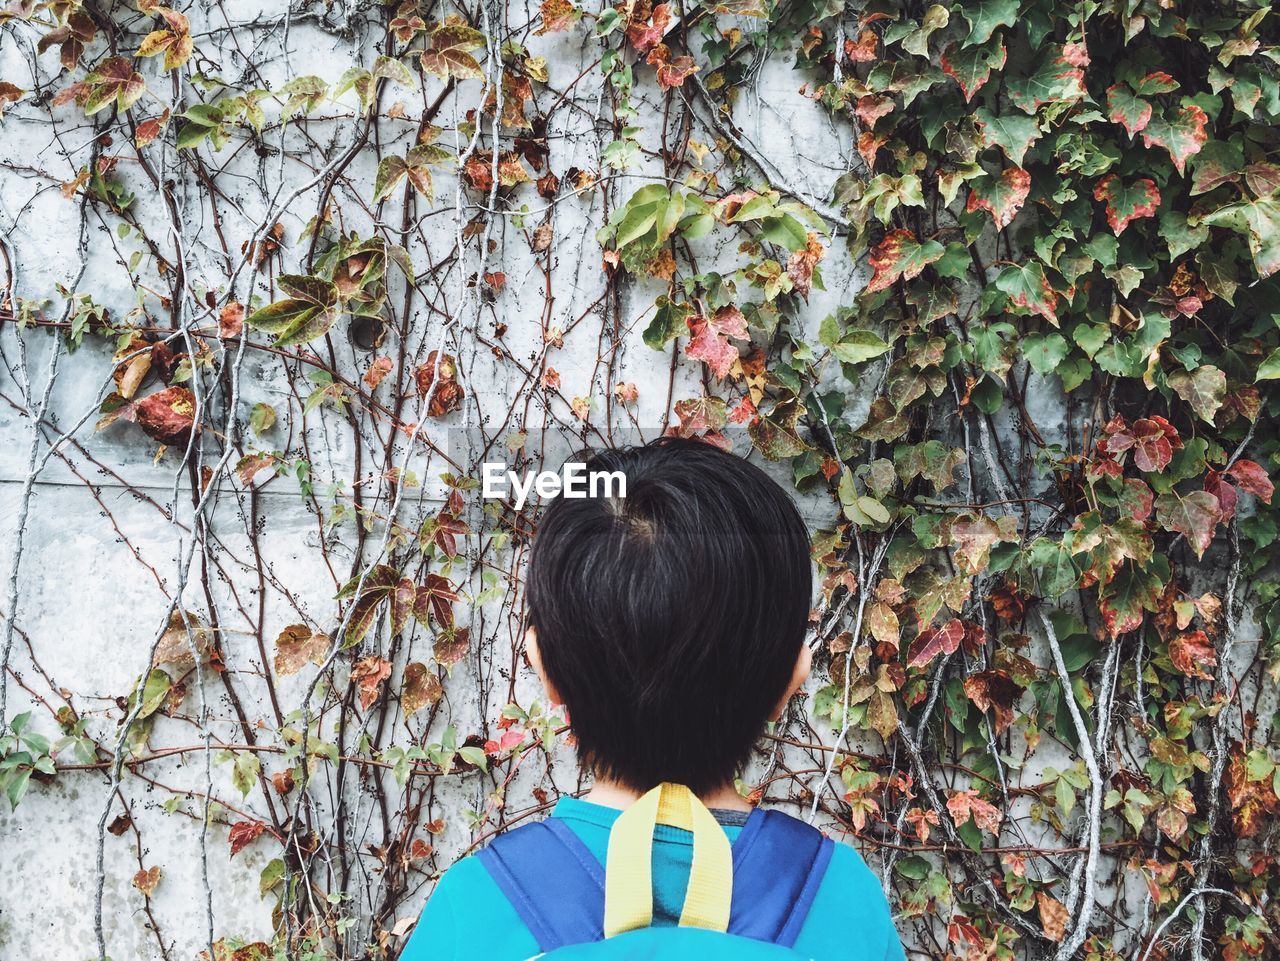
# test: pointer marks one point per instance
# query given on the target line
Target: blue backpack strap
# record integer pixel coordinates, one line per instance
(556, 885)
(553, 881)
(778, 864)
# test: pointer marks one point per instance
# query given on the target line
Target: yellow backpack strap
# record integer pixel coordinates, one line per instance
(628, 901)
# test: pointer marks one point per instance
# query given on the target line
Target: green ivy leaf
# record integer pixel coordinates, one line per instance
(1179, 235)
(775, 434)
(1090, 337)
(985, 15)
(1026, 286)
(1269, 369)
(1073, 372)
(1013, 133)
(1044, 352)
(858, 347)
(1058, 78)
(1204, 388)
(244, 772)
(308, 314)
(1259, 221)
(917, 40)
(416, 165)
(1216, 164)
(271, 875)
(154, 692)
(785, 231)
(668, 322)
(971, 67)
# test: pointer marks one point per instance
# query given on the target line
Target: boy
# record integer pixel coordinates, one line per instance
(671, 624)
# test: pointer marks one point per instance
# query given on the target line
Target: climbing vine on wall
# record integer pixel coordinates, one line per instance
(1037, 430)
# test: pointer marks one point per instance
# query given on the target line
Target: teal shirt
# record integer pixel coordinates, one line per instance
(469, 919)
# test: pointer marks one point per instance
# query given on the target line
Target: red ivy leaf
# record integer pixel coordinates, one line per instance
(647, 34)
(863, 50)
(1253, 802)
(449, 50)
(1192, 653)
(899, 254)
(244, 833)
(1152, 440)
(298, 644)
(368, 675)
(249, 466)
(932, 642)
(710, 339)
(871, 108)
(1127, 202)
(447, 397)
(1126, 109)
(406, 24)
(231, 319)
(672, 71)
(451, 646)
(435, 600)
(167, 415)
(283, 780)
(9, 93)
(1136, 499)
(965, 804)
(1194, 515)
(146, 880)
(443, 530)
(148, 130)
(744, 413)
(377, 372)
(1002, 196)
(993, 691)
(70, 39)
(800, 266)
(175, 43)
(422, 688)
(1154, 83)
(378, 585)
(1182, 135)
(557, 15)
(1226, 494)
(115, 81)
(1263, 178)
(869, 144)
(1252, 478)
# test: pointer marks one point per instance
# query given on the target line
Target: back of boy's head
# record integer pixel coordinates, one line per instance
(670, 621)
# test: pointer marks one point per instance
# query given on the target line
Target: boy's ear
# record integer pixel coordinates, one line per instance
(799, 674)
(535, 661)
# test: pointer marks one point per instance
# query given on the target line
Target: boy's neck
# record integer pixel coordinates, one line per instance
(614, 795)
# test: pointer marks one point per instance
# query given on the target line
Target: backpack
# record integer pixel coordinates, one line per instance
(746, 901)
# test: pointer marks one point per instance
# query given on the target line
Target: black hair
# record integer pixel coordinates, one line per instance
(670, 620)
